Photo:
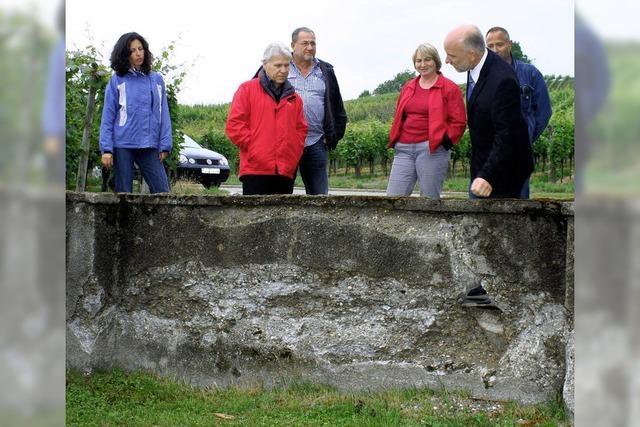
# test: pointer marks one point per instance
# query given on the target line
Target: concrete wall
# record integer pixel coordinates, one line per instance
(358, 292)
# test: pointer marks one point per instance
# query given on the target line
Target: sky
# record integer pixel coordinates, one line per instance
(367, 41)
(612, 20)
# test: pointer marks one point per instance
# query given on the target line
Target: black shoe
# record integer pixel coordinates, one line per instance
(477, 297)
(478, 301)
(478, 290)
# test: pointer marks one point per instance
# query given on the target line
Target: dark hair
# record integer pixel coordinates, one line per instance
(122, 51)
(294, 35)
(492, 29)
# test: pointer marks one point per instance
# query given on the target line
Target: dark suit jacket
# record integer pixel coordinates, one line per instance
(500, 149)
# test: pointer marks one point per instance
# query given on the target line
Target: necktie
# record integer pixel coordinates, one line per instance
(470, 86)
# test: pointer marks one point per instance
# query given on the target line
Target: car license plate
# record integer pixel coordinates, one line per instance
(210, 170)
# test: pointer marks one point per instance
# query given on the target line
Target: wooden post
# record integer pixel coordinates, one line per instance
(81, 181)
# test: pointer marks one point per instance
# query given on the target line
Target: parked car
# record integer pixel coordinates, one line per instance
(202, 165)
(195, 163)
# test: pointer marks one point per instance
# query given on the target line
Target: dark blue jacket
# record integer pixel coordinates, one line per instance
(534, 98)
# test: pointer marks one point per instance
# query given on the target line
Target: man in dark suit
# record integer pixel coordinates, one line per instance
(501, 157)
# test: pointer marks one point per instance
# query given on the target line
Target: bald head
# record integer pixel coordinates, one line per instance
(464, 46)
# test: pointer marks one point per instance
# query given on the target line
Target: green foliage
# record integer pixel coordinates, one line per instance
(516, 51)
(558, 82)
(205, 124)
(461, 153)
(173, 76)
(554, 150)
(379, 107)
(218, 141)
(395, 84)
(365, 141)
(83, 71)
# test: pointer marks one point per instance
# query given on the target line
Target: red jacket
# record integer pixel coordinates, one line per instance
(270, 136)
(447, 115)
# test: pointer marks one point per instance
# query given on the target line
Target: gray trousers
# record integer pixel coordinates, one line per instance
(414, 162)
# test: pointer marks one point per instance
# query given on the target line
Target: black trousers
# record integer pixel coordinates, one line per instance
(266, 184)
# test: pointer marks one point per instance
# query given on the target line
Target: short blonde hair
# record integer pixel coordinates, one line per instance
(428, 52)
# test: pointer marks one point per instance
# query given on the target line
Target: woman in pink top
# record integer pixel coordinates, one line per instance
(429, 120)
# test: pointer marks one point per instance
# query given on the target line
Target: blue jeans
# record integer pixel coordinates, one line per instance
(150, 166)
(313, 168)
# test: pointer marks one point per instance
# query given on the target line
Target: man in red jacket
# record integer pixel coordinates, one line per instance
(266, 121)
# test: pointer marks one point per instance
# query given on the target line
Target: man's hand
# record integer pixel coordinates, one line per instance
(107, 160)
(163, 155)
(481, 187)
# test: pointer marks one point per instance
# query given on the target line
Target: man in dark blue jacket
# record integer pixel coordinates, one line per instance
(501, 156)
(534, 96)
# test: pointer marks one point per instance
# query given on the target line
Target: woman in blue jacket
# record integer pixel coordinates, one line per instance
(135, 123)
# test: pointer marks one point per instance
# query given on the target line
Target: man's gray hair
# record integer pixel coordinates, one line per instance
(473, 41)
(276, 49)
(294, 35)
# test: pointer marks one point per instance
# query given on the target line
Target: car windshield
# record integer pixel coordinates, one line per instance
(188, 142)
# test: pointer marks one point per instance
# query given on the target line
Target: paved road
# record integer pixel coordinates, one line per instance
(237, 189)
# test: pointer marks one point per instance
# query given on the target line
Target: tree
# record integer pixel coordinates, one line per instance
(395, 84)
(516, 51)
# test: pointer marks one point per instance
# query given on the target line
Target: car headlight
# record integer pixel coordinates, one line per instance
(224, 161)
(183, 158)
(192, 161)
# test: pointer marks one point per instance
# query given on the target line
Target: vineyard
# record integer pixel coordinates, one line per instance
(362, 151)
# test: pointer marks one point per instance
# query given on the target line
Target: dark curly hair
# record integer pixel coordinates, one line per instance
(122, 51)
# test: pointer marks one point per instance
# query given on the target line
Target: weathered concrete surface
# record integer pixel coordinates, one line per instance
(359, 292)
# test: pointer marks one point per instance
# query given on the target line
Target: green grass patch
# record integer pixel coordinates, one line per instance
(116, 398)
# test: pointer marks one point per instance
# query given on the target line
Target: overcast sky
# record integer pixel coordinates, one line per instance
(367, 41)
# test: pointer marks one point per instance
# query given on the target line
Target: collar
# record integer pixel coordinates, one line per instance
(514, 63)
(475, 71)
(438, 83)
(134, 71)
(316, 64)
(276, 92)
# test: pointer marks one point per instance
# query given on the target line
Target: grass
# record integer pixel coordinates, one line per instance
(116, 398)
